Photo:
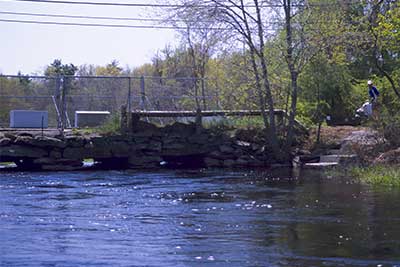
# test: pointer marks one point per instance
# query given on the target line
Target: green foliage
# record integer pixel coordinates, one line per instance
(312, 113)
(111, 69)
(235, 123)
(111, 126)
(57, 68)
(388, 28)
(378, 175)
(21, 92)
(326, 90)
(248, 123)
(304, 113)
(219, 127)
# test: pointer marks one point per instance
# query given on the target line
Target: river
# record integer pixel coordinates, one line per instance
(196, 218)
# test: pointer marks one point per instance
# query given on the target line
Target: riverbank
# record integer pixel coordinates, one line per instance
(378, 160)
(186, 146)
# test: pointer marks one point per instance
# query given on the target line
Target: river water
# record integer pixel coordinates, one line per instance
(196, 218)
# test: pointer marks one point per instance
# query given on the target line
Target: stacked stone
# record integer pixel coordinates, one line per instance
(145, 147)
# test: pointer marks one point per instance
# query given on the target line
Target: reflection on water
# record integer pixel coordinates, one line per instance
(189, 218)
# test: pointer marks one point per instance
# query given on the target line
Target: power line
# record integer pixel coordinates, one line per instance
(115, 18)
(85, 17)
(169, 5)
(270, 29)
(118, 25)
(101, 3)
(105, 25)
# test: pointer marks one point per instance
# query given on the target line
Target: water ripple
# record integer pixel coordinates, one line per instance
(195, 218)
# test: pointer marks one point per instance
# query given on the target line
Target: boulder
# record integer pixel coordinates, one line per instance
(226, 149)
(75, 141)
(242, 162)
(5, 141)
(152, 147)
(23, 140)
(26, 134)
(141, 140)
(43, 141)
(102, 148)
(61, 167)
(367, 144)
(78, 153)
(221, 156)
(143, 161)
(389, 157)
(142, 128)
(212, 162)
(229, 163)
(261, 151)
(179, 129)
(243, 144)
(174, 145)
(255, 147)
(52, 161)
(22, 151)
(362, 138)
(199, 138)
(257, 163)
(10, 136)
(120, 149)
(184, 149)
(55, 154)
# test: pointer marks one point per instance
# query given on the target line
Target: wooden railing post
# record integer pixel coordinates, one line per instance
(135, 118)
(198, 120)
(124, 119)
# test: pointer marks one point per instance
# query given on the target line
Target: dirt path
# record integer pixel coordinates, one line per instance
(333, 136)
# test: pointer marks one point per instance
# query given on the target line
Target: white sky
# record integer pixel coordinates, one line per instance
(30, 47)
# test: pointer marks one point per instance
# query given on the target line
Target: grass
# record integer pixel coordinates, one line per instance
(109, 127)
(235, 123)
(378, 175)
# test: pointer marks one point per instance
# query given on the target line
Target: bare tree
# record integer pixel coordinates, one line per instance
(201, 37)
(246, 21)
(300, 45)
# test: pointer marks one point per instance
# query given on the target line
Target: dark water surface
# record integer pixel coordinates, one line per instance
(193, 218)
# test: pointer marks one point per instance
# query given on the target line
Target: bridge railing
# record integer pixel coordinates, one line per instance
(280, 115)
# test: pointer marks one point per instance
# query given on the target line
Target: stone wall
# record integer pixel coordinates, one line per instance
(146, 147)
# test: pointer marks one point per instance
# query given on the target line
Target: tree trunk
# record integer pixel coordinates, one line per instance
(293, 76)
(261, 99)
(293, 111)
(271, 131)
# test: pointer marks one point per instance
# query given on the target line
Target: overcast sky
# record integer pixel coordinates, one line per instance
(30, 47)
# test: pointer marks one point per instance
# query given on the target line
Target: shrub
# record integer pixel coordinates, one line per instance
(111, 126)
